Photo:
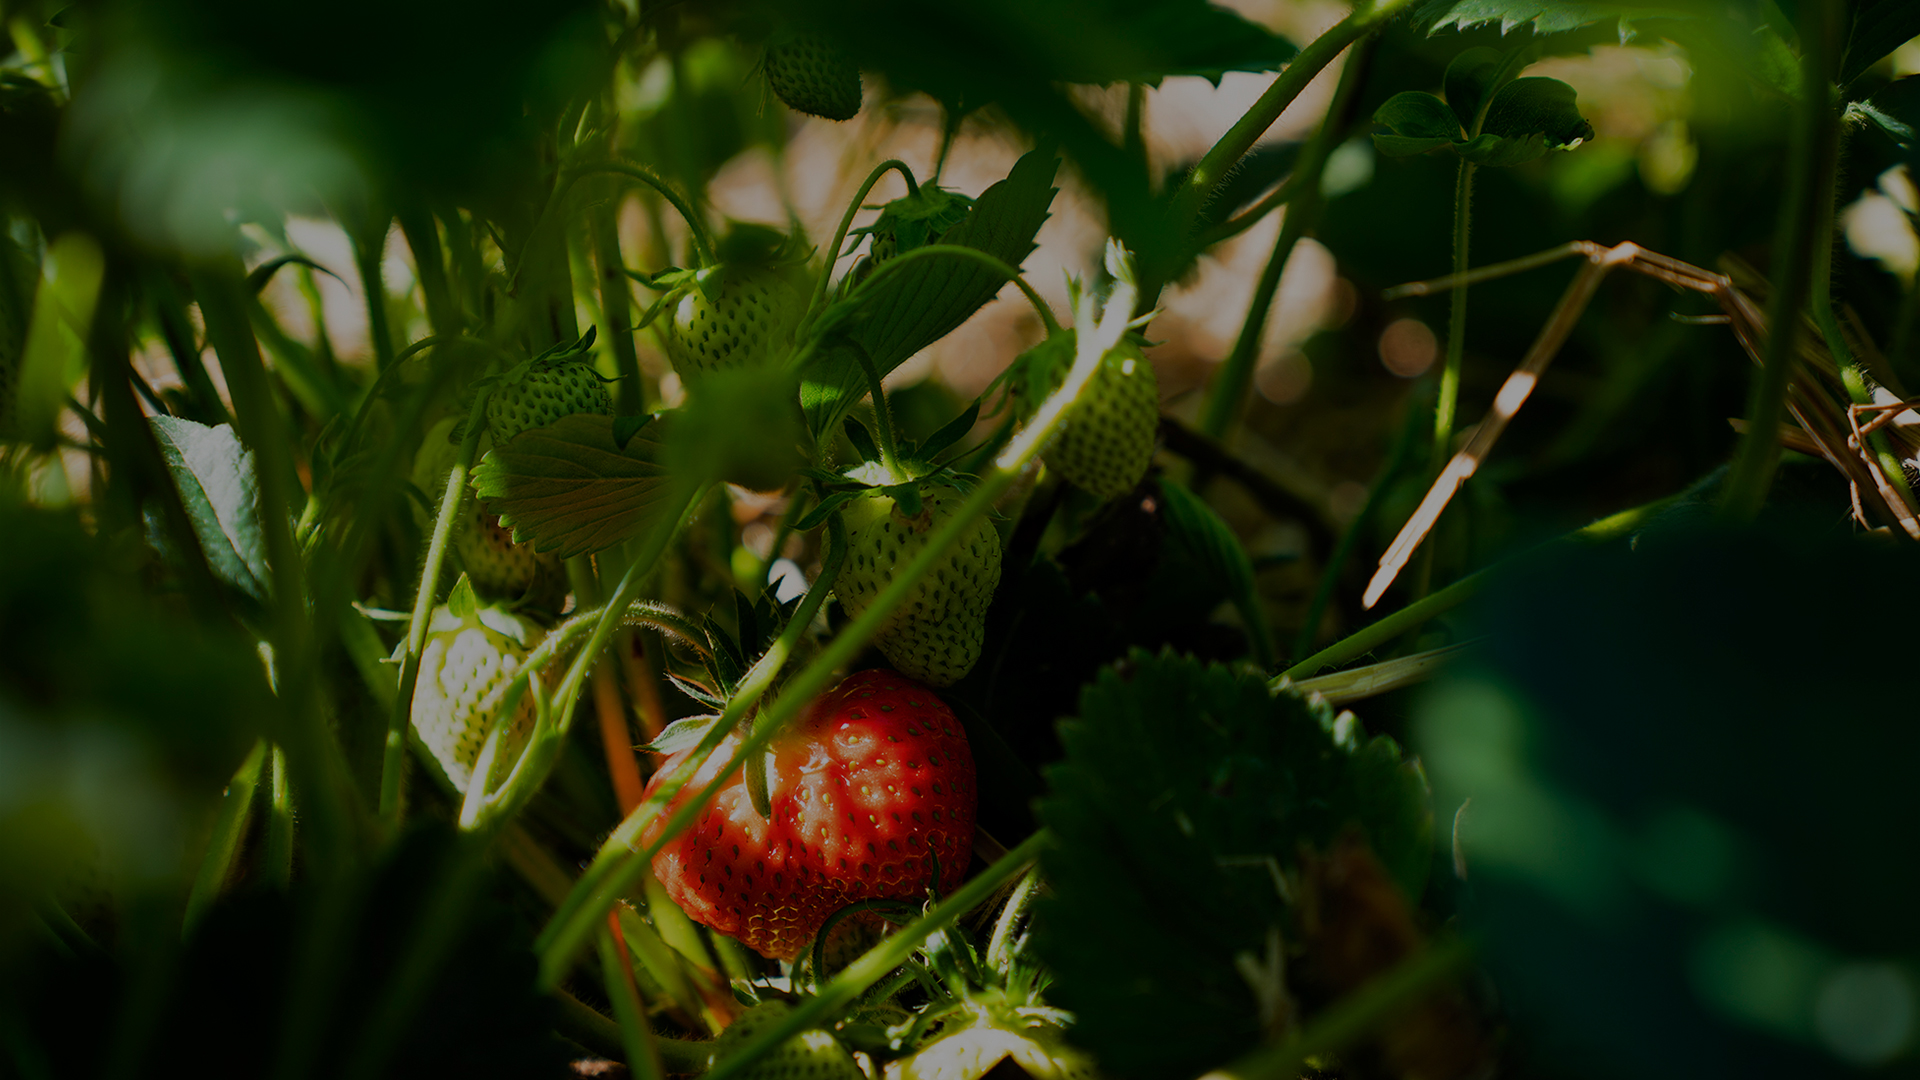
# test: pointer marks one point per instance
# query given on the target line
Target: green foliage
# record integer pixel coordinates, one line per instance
(570, 487)
(921, 303)
(1489, 117)
(1183, 802)
(215, 477)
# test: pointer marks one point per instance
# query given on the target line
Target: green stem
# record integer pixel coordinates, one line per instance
(882, 416)
(636, 1037)
(1371, 637)
(846, 222)
(1447, 405)
(845, 988)
(368, 255)
(416, 224)
(543, 747)
(1011, 273)
(616, 300)
(1241, 137)
(229, 827)
(314, 753)
(1337, 562)
(619, 862)
(394, 753)
(1810, 161)
(1236, 375)
(702, 239)
(1000, 946)
(1373, 1004)
(278, 871)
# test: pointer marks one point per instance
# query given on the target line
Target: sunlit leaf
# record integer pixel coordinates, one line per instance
(215, 477)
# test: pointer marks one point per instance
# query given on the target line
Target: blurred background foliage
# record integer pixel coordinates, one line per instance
(1687, 848)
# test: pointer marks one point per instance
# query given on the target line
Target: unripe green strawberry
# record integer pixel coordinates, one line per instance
(545, 392)
(744, 316)
(496, 566)
(464, 670)
(810, 1055)
(1106, 440)
(813, 75)
(500, 568)
(935, 635)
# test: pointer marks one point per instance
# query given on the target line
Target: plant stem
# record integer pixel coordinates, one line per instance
(702, 239)
(846, 222)
(616, 300)
(326, 790)
(278, 871)
(636, 1036)
(394, 753)
(1447, 405)
(882, 417)
(1349, 539)
(1236, 375)
(1810, 161)
(1370, 637)
(845, 988)
(619, 862)
(1240, 138)
(369, 254)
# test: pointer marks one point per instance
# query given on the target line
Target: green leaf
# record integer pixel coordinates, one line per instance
(1544, 16)
(569, 487)
(1895, 111)
(1419, 122)
(461, 602)
(925, 301)
(951, 432)
(1879, 27)
(215, 477)
(1210, 542)
(1186, 793)
(1536, 106)
(258, 277)
(1478, 74)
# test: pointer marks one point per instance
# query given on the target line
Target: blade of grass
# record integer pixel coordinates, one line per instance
(229, 828)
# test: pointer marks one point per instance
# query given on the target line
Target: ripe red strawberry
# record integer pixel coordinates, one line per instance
(1106, 440)
(871, 781)
(471, 654)
(935, 636)
(811, 1055)
(813, 75)
(741, 316)
(549, 388)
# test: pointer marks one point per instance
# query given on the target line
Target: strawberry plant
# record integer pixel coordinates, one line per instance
(780, 538)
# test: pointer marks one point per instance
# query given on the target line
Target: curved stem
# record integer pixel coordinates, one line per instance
(846, 222)
(393, 756)
(1240, 138)
(1303, 188)
(1011, 273)
(620, 862)
(702, 240)
(1251, 216)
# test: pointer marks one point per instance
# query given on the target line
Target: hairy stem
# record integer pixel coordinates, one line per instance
(846, 223)
(393, 758)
